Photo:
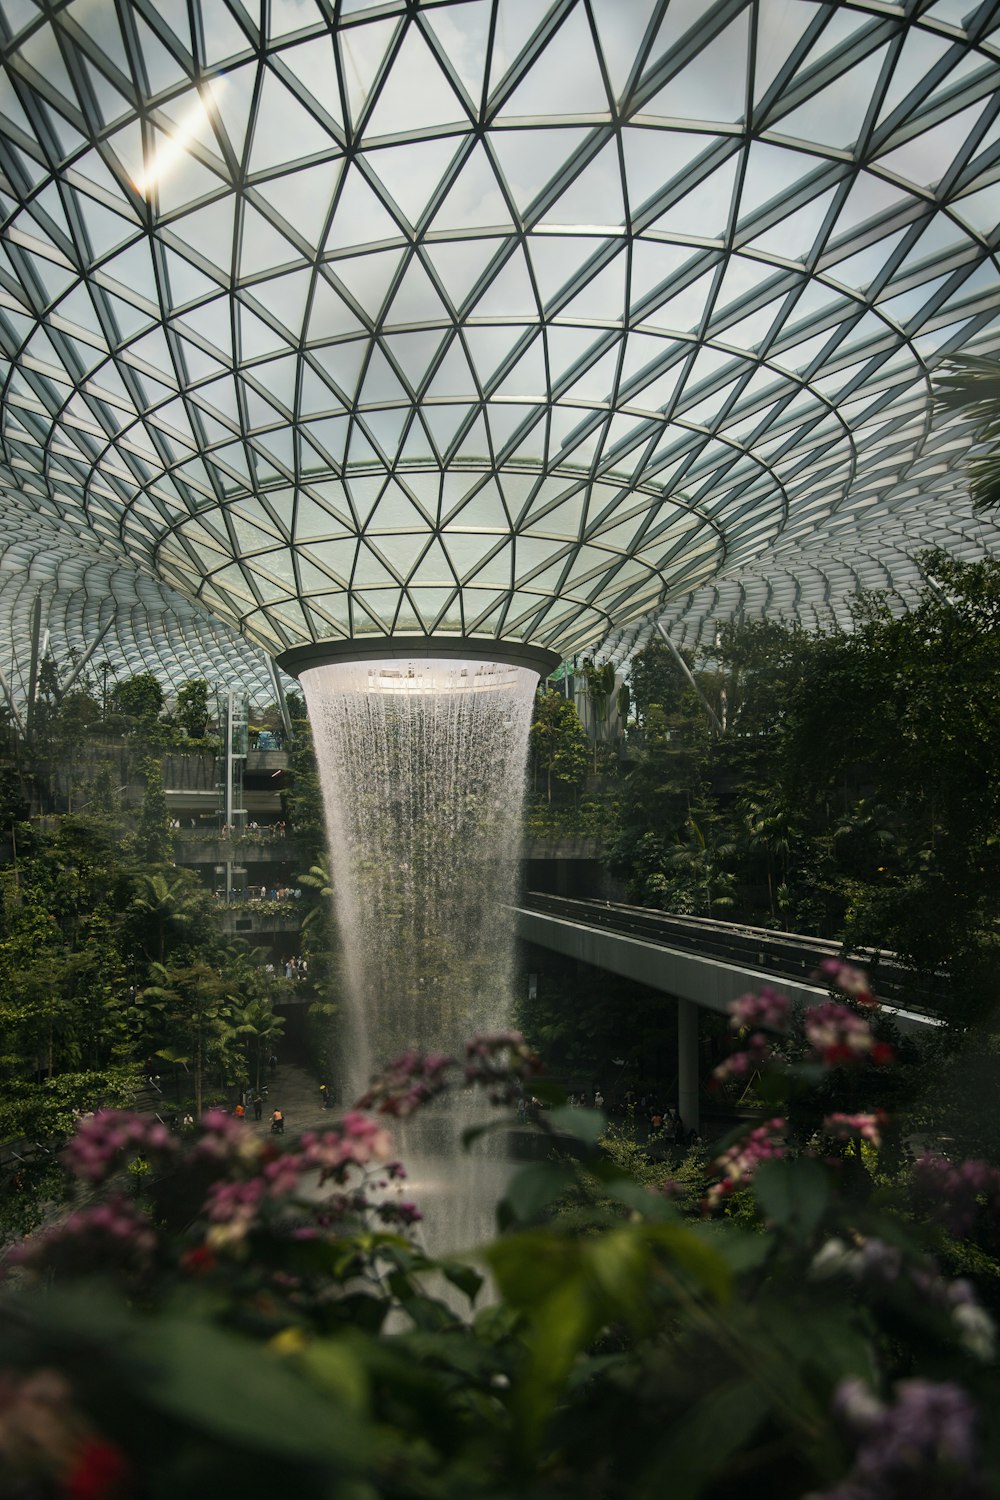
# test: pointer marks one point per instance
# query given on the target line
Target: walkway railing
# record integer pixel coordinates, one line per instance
(784, 954)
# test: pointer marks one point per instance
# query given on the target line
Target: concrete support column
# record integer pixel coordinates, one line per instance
(687, 1065)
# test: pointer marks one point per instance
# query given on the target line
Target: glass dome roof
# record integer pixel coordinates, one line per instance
(492, 317)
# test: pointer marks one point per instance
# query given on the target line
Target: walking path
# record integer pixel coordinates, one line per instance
(295, 1091)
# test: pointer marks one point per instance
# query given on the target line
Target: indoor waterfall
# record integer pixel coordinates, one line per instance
(423, 767)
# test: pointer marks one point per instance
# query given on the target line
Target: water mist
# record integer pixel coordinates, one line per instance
(423, 768)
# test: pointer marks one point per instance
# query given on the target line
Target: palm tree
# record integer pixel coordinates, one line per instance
(257, 1022)
(167, 908)
(971, 384)
(318, 879)
(196, 1010)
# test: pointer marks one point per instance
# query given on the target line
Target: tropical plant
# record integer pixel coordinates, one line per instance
(971, 383)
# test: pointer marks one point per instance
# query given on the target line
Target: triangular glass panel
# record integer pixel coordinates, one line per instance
(303, 198)
(686, 309)
(566, 346)
(594, 197)
(313, 64)
(362, 50)
(395, 511)
(341, 364)
(772, 172)
(507, 418)
(380, 383)
(209, 232)
(360, 217)
(482, 511)
(385, 428)
(475, 200)
(416, 300)
(414, 353)
(474, 444)
(411, 172)
(920, 51)
(557, 258)
(329, 315)
(713, 85)
(463, 32)
(489, 347)
(602, 299)
(926, 158)
(835, 115)
(527, 377)
(654, 157)
(621, 30)
(262, 248)
(162, 68)
(454, 376)
(224, 38)
(597, 383)
(510, 293)
(704, 211)
(565, 79)
(794, 237)
(460, 264)
(400, 107)
(751, 331)
(516, 21)
(530, 159)
(367, 278)
(443, 422)
(433, 568)
(779, 30)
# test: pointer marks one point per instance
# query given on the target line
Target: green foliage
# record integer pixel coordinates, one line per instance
(153, 836)
(971, 384)
(192, 708)
(139, 698)
(559, 747)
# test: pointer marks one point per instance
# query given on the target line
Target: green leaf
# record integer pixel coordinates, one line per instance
(533, 1190)
(697, 1449)
(587, 1125)
(466, 1278)
(792, 1194)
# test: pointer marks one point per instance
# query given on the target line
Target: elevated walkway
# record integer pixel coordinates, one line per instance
(702, 964)
(705, 961)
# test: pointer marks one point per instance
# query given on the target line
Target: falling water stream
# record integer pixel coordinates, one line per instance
(423, 767)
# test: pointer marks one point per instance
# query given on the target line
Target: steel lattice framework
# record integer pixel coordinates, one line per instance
(492, 318)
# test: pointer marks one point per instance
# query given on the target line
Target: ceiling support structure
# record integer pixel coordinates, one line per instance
(678, 658)
(35, 634)
(80, 667)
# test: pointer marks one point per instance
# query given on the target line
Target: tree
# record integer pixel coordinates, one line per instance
(153, 835)
(600, 684)
(971, 384)
(656, 678)
(260, 1028)
(166, 912)
(139, 697)
(192, 708)
(195, 1007)
(559, 746)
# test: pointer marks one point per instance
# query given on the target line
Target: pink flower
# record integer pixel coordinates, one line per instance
(765, 1008)
(838, 1033)
(843, 976)
(735, 1167)
(843, 1127)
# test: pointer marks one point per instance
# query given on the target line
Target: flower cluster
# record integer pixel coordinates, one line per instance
(103, 1141)
(756, 1054)
(843, 976)
(411, 1080)
(867, 1259)
(108, 1236)
(841, 1127)
(735, 1167)
(927, 1434)
(45, 1437)
(764, 1008)
(501, 1062)
(953, 1194)
(840, 1036)
(222, 1139)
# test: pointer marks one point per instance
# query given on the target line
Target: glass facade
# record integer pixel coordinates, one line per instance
(491, 318)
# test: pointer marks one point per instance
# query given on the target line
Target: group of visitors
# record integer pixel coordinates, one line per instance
(274, 893)
(257, 1104)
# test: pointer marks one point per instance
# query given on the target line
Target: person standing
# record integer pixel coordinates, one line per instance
(277, 1123)
(258, 1105)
